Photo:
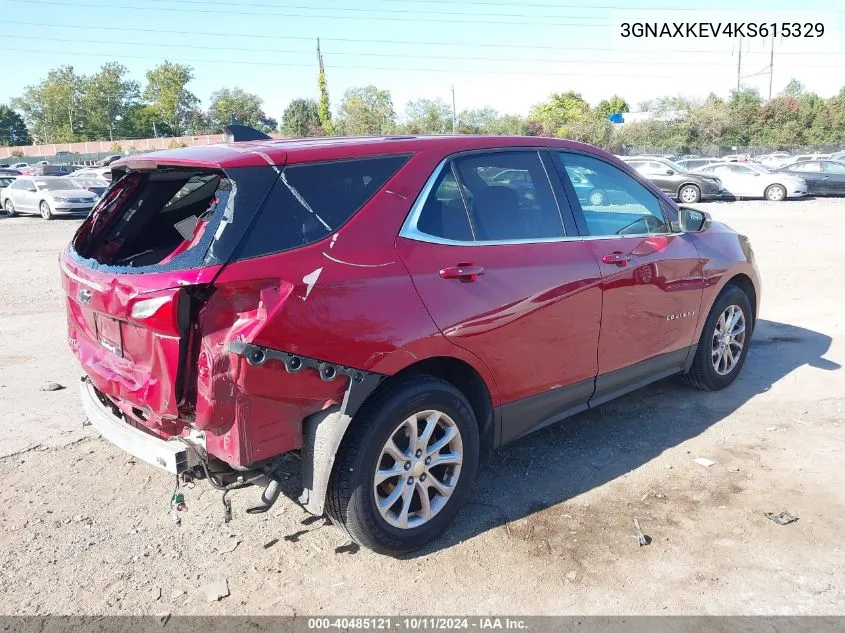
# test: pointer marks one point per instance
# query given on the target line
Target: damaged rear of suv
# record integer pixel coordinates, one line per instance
(187, 302)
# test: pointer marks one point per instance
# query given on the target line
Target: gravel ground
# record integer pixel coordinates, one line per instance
(549, 530)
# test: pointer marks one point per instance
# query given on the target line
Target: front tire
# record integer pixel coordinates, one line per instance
(44, 208)
(689, 194)
(775, 193)
(10, 208)
(725, 339)
(406, 466)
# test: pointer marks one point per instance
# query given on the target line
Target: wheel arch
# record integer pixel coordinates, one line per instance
(687, 184)
(324, 432)
(744, 283)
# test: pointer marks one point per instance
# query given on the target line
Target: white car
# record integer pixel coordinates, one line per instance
(18, 165)
(46, 195)
(800, 158)
(750, 180)
(775, 160)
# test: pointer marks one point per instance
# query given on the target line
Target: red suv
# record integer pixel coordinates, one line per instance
(388, 309)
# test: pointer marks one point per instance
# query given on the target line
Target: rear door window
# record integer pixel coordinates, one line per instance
(520, 206)
(311, 201)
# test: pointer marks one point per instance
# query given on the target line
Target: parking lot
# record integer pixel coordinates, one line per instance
(549, 529)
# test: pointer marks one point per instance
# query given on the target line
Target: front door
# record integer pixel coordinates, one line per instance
(493, 265)
(811, 172)
(651, 281)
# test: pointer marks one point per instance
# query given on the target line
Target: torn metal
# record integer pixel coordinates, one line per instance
(361, 383)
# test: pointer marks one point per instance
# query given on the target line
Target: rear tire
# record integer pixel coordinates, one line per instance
(44, 208)
(354, 493)
(10, 208)
(775, 193)
(723, 347)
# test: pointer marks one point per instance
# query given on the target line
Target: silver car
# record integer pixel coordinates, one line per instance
(750, 180)
(46, 195)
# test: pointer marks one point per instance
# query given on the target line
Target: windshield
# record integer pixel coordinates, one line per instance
(56, 185)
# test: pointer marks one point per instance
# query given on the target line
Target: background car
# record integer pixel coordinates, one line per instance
(108, 160)
(732, 158)
(94, 179)
(823, 177)
(750, 180)
(676, 181)
(774, 160)
(694, 163)
(5, 181)
(800, 158)
(9, 172)
(18, 165)
(838, 156)
(47, 196)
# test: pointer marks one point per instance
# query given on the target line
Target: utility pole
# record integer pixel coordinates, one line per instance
(319, 56)
(771, 66)
(739, 64)
(454, 113)
(155, 134)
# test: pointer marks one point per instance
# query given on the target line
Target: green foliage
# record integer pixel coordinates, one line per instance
(561, 110)
(238, 106)
(52, 109)
(169, 97)
(12, 128)
(302, 118)
(614, 105)
(324, 111)
(108, 97)
(366, 111)
(427, 116)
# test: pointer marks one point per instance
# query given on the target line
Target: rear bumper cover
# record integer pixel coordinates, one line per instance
(171, 455)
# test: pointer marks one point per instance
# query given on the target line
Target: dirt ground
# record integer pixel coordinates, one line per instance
(87, 530)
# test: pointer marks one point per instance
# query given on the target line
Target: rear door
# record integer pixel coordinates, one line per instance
(834, 177)
(651, 280)
(502, 273)
(811, 172)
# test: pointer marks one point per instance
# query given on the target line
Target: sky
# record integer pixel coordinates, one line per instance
(508, 54)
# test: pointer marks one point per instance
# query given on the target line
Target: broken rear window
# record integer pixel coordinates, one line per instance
(150, 218)
(310, 202)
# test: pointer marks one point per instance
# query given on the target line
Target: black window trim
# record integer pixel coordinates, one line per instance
(409, 228)
(670, 214)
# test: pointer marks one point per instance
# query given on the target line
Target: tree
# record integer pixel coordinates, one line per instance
(169, 97)
(793, 89)
(107, 98)
(143, 121)
(427, 116)
(12, 128)
(301, 118)
(52, 109)
(324, 111)
(560, 110)
(366, 110)
(244, 107)
(614, 105)
(480, 121)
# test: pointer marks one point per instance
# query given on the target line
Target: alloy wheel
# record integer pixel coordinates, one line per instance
(418, 469)
(728, 340)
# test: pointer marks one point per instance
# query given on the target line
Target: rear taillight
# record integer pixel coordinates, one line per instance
(159, 313)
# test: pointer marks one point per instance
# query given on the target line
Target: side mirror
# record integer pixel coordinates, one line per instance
(692, 220)
(670, 172)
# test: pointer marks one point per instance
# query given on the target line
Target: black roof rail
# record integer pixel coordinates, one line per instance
(235, 133)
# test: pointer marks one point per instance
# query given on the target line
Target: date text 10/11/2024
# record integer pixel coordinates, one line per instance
(420, 623)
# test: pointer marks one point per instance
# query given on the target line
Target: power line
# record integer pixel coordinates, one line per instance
(472, 71)
(322, 16)
(393, 55)
(229, 35)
